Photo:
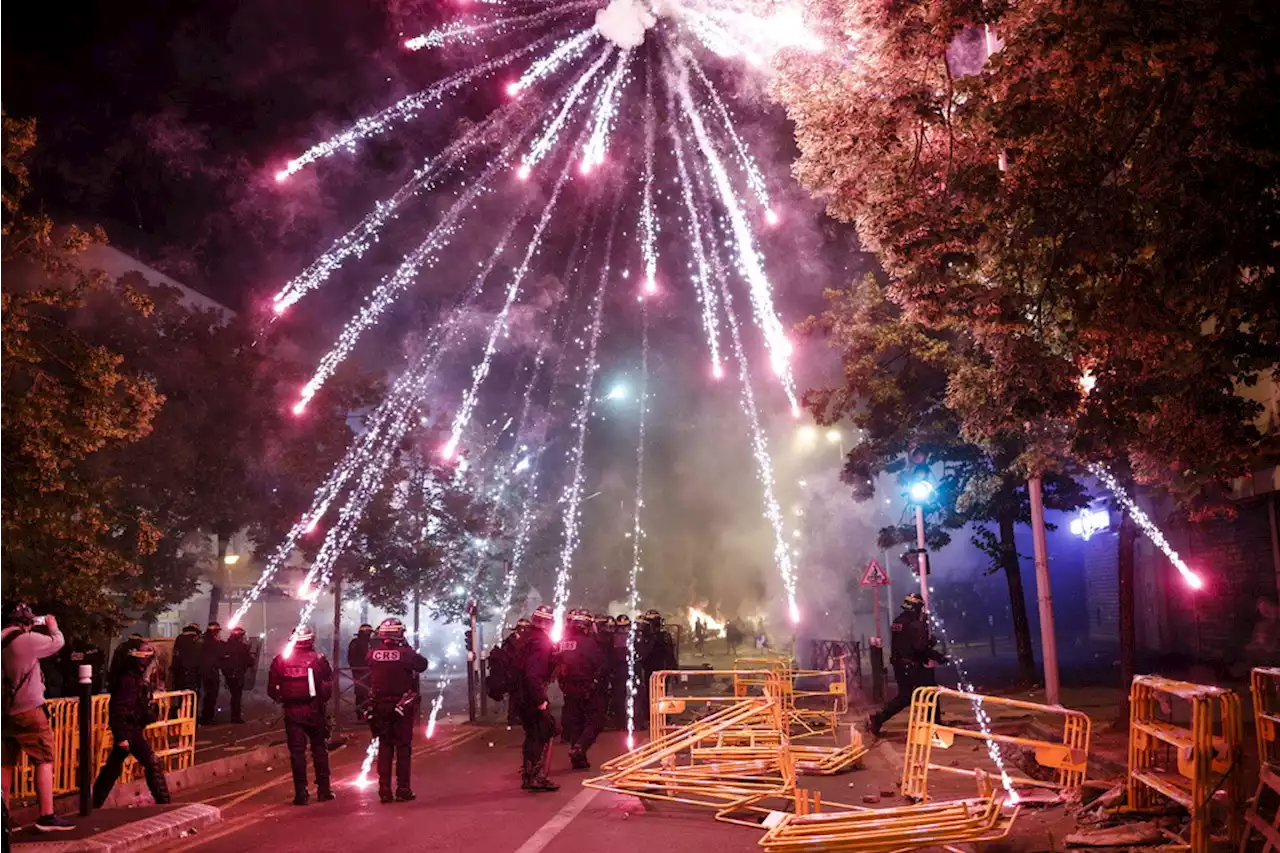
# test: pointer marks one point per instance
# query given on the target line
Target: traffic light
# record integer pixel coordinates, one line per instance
(911, 559)
(470, 639)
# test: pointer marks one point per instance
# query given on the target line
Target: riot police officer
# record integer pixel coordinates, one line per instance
(654, 652)
(581, 666)
(912, 654)
(535, 665)
(186, 659)
(212, 650)
(237, 660)
(604, 628)
(394, 666)
(120, 658)
(502, 662)
(620, 662)
(301, 680)
(358, 660)
(129, 713)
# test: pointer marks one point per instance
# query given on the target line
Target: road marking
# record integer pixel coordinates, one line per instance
(549, 830)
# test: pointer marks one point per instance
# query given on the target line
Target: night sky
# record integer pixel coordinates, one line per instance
(165, 122)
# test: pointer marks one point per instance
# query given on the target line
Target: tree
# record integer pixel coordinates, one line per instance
(426, 538)
(1095, 199)
(69, 538)
(894, 389)
(226, 454)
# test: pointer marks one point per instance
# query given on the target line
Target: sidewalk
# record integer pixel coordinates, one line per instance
(120, 830)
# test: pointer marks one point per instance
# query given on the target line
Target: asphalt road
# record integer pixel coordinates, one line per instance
(469, 799)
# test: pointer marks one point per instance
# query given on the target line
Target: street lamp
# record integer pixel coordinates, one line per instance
(833, 435)
(808, 433)
(920, 492)
(618, 392)
(231, 559)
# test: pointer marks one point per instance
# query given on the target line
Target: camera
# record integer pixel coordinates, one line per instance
(39, 620)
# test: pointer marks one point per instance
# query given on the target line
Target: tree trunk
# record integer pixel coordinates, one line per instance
(218, 579)
(1128, 634)
(1017, 601)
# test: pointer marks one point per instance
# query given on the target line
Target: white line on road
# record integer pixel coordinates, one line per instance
(549, 830)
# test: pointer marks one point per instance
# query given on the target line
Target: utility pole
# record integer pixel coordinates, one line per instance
(1044, 594)
(922, 556)
(337, 640)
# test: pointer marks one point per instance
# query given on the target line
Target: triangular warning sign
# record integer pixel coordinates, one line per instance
(874, 575)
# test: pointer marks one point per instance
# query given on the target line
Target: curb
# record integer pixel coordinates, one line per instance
(133, 836)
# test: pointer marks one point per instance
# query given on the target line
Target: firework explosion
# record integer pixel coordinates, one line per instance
(615, 94)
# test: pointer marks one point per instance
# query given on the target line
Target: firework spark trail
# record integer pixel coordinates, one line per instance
(748, 258)
(473, 33)
(363, 780)
(405, 109)
(438, 702)
(637, 531)
(572, 498)
(393, 285)
(730, 32)
(544, 143)
(362, 449)
(755, 180)
(606, 112)
(706, 293)
(1147, 526)
(759, 444)
(364, 234)
(499, 328)
(648, 220)
(568, 50)
(563, 317)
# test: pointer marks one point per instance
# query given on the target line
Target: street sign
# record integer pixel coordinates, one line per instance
(874, 575)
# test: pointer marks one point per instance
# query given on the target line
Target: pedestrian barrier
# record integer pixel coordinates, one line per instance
(1267, 797)
(1265, 687)
(1069, 756)
(973, 821)
(172, 737)
(1174, 753)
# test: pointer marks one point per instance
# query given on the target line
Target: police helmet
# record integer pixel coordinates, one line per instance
(136, 636)
(192, 628)
(543, 617)
(143, 653)
(304, 637)
(523, 624)
(913, 601)
(580, 621)
(365, 628)
(623, 621)
(214, 628)
(602, 622)
(237, 633)
(391, 628)
(653, 617)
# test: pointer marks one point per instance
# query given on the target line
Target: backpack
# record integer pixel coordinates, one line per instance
(498, 679)
(11, 690)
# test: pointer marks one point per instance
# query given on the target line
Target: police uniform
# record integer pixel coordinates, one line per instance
(358, 660)
(581, 666)
(394, 666)
(911, 650)
(302, 682)
(535, 666)
(654, 653)
(186, 659)
(236, 663)
(129, 713)
(212, 650)
(619, 669)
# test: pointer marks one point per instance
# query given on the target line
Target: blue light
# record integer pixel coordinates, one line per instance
(921, 491)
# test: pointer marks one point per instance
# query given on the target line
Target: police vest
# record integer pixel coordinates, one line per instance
(298, 681)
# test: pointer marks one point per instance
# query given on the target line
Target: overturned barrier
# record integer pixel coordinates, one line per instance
(1185, 742)
(1265, 687)
(974, 821)
(1069, 756)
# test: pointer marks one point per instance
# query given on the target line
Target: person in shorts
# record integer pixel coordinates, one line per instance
(26, 726)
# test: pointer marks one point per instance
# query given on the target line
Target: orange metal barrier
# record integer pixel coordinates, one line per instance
(1265, 687)
(1069, 757)
(172, 736)
(1181, 762)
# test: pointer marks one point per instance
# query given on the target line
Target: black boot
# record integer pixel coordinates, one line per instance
(873, 725)
(324, 793)
(159, 789)
(578, 759)
(540, 782)
(527, 774)
(386, 796)
(301, 797)
(404, 795)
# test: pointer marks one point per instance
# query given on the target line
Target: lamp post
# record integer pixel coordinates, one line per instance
(920, 493)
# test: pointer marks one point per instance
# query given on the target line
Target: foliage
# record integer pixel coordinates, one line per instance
(1098, 197)
(68, 535)
(426, 533)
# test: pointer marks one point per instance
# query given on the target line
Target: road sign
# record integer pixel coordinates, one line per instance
(874, 575)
